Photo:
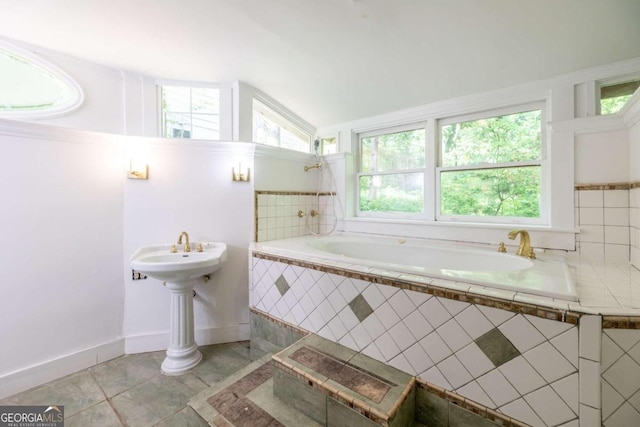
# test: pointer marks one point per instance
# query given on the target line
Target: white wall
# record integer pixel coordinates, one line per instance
(634, 152)
(189, 188)
(602, 157)
(61, 257)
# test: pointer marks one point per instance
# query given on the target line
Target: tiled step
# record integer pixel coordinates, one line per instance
(337, 386)
(245, 399)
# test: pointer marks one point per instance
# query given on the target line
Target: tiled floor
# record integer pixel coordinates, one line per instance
(130, 390)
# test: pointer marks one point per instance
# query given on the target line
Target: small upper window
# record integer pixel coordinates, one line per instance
(613, 97)
(190, 112)
(33, 88)
(270, 128)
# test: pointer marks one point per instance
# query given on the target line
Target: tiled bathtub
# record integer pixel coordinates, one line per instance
(537, 364)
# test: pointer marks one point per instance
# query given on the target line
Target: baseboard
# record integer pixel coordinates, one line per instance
(27, 378)
(160, 341)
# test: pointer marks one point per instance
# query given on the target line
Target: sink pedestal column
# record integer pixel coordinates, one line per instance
(182, 354)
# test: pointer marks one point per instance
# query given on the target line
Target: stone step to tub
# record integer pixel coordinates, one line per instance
(337, 386)
(245, 399)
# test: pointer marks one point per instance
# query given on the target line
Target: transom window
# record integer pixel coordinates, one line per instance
(30, 87)
(271, 128)
(486, 167)
(190, 112)
(614, 96)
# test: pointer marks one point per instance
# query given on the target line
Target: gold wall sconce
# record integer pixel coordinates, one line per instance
(241, 175)
(138, 170)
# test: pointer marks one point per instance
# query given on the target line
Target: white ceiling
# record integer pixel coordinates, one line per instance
(336, 60)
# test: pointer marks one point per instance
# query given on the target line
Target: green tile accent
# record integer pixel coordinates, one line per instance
(282, 285)
(263, 397)
(272, 332)
(304, 398)
(460, 417)
(339, 415)
(431, 410)
(497, 347)
(360, 307)
(185, 418)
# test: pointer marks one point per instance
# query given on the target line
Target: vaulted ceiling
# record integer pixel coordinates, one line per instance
(336, 60)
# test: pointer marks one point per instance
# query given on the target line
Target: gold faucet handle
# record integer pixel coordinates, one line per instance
(174, 249)
(531, 254)
(200, 248)
(502, 248)
(187, 247)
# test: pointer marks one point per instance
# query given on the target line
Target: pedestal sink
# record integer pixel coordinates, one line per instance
(180, 271)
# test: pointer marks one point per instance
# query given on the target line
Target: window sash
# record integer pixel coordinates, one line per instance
(432, 170)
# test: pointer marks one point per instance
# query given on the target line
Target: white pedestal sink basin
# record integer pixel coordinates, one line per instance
(181, 271)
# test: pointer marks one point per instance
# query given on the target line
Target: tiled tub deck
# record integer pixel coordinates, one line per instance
(544, 362)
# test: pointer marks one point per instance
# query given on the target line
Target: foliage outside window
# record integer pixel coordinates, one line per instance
(614, 97)
(190, 112)
(491, 166)
(31, 87)
(391, 178)
(271, 128)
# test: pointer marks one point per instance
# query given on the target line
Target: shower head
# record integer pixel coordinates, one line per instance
(316, 145)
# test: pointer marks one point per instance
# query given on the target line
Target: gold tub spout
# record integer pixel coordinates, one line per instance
(187, 246)
(524, 249)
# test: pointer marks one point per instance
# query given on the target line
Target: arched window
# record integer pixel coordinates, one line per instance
(32, 88)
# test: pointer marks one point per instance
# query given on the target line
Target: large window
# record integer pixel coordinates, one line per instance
(614, 96)
(486, 167)
(271, 128)
(391, 178)
(491, 166)
(190, 112)
(32, 88)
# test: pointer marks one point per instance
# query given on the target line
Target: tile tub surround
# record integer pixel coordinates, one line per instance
(605, 228)
(277, 214)
(456, 352)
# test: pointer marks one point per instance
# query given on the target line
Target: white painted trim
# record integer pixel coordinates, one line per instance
(585, 125)
(32, 376)
(160, 340)
(631, 111)
(68, 135)
(262, 150)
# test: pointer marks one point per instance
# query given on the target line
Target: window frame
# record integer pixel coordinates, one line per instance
(278, 117)
(359, 174)
(75, 101)
(543, 219)
(433, 169)
(190, 85)
(600, 84)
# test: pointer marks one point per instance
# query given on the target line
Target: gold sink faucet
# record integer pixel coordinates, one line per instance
(187, 246)
(524, 249)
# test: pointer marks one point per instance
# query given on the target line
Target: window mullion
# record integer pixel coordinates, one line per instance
(431, 162)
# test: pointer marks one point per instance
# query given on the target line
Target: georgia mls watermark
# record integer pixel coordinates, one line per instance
(31, 416)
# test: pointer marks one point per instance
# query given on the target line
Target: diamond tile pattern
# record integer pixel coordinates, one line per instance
(509, 362)
(621, 377)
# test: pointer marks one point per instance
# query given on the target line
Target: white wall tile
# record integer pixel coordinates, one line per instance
(589, 416)
(626, 415)
(593, 251)
(592, 216)
(474, 322)
(453, 335)
(568, 389)
(454, 372)
(521, 375)
(498, 388)
(548, 362)
(591, 233)
(616, 252)
(476, 362)
(616, 216)
(591, 198)
(590, 337)
(548, 405)
(521, 411)
(616, 198)
(611, 400)
(521, 333)
(590, 383)
(616, 234)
